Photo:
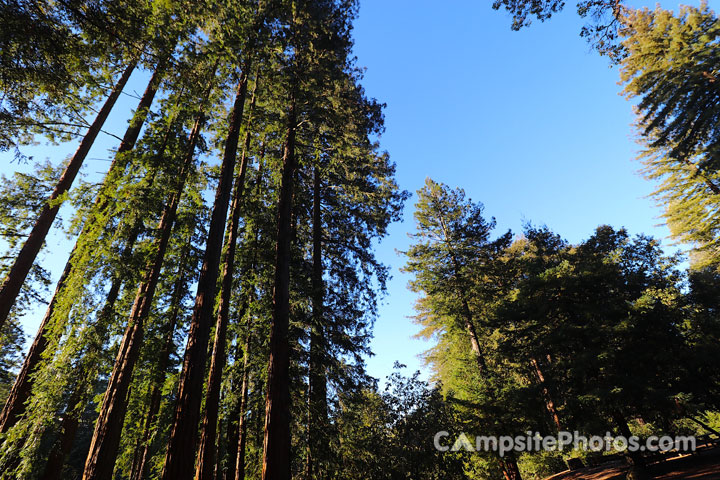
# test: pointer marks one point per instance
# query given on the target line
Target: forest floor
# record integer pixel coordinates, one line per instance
(703, 465)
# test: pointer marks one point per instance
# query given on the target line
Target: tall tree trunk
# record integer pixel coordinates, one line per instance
(15, 404)
(101, 458)
(20, 392)
(276, 444)
(206, 451)
(180, 456)
(317, 395)
(143, 452)
(467, 315)
(232, 432)
(549, 403)
(71, 418)
(238, 468)
(238, 438)
(473, 336)
(141, 112)
(26, 257)
(509, 464)
(88, 368)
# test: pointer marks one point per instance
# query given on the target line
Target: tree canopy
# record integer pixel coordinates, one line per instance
(213, 317)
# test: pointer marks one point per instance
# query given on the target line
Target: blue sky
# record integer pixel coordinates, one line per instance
(530, 123)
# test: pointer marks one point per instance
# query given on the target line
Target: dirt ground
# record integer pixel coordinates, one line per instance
(701, 466)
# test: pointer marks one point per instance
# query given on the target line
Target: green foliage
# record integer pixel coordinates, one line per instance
(52, 74)
(601, 31)
(608, 291)
(12, 341)
(389, 434)
(672, 70)
(531, 333)
(452, 259)
(21, 199)
(540, 335)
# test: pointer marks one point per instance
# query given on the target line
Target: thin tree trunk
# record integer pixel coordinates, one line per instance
(88, 369)
(15, 404)
(466, 312)
(70, 423)
(317, 381)
(472, 334)
(234, 424)
(509, 464)
(206, 452)
(236, 470)
(232, 432)
(549, 403)
(141, 112)
(142, 455)
(20, 392)
(239, 465)
(71, 419)
(276, 444)
(180, 456)
(101, 458)
(25, 385)
(26, 257)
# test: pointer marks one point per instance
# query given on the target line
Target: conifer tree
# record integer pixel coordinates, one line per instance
(103, 449)
(17, 274)
(672, 69)
(454, 245)
(179, 462)
(114, 321)
(602, 31)
(206, 460)
(23, 383)
(97, 37)
(454, 264)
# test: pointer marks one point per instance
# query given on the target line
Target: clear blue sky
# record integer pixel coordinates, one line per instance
(530, 123)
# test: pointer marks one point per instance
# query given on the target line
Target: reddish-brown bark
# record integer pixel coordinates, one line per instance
(28, 253)
(206, 451)
(510, 469)
(549, 402)
(237, 471)
(20, 392)
(238, 438)
(276, 445)
(180, 456)
(142, 452)
(101, 458)
(317, 381)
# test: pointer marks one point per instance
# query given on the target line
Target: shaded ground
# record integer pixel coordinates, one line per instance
(700, 466)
